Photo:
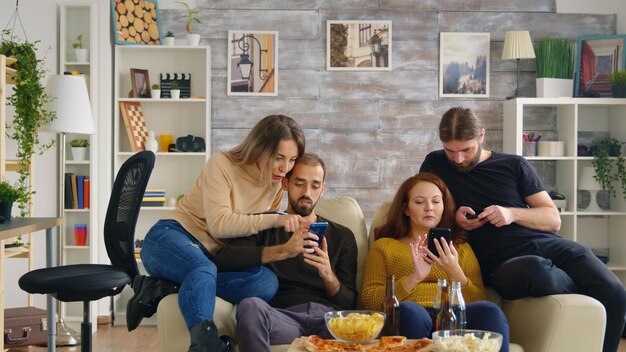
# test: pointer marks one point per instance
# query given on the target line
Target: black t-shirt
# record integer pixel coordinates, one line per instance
(502, 179)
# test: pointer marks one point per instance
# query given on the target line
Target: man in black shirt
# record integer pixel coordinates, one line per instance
(312, 280)
(514, 234)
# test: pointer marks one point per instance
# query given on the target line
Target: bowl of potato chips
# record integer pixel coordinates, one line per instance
(355, 326)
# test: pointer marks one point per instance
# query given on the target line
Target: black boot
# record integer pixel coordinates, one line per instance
(228, 344)
(148, 293)
(204, 337)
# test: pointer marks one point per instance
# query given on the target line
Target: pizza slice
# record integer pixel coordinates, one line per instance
(315, 343)
(398, 344)
(391, 341)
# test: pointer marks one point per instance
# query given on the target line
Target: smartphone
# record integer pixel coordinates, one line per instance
(437, 233)
(475, 216)
(319, 229)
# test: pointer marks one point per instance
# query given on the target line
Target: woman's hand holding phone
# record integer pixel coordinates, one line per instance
(448, 259)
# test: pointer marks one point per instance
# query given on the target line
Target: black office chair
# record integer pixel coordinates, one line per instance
(90, 282)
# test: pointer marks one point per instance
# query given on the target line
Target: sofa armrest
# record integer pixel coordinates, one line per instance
(555, 323)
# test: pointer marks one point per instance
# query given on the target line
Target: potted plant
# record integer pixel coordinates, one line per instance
(610, 165)
(79, 148)
(555, 65)
(175, 90)
(29, 100)
(169, 39)
(156, 91)
(82, 54)
(618, 83)
(193, 39)
(8, 195)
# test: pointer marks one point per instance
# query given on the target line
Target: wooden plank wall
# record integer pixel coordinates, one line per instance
(373, 129)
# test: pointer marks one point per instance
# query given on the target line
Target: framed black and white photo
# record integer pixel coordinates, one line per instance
(140, 81)
(464, 65)
(252, 63)
(358, 45)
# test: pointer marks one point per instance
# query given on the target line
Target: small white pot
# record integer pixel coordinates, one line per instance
(193, 39)
(79, 153)
(554, 87)
(169, 41)
(155, 93)
(175, 93)
(82, 55)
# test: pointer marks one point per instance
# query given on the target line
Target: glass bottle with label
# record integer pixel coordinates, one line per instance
(457, 303)
(391, 308)
(445, 318)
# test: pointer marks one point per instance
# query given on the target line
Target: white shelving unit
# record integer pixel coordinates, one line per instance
(576, 120)
(76, 18)
(174, 172)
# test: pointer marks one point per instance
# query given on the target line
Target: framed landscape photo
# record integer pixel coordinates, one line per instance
(597, 57)
(464, 65)
(140, 82)
(358, 45)
(252, 63)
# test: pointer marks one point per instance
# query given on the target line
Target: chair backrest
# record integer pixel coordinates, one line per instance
(347, 212)
(379, 218)
(124, 204)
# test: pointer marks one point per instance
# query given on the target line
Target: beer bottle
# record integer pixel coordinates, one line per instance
(457, 303)
(391, 309)
(437, 301)
(445, 319)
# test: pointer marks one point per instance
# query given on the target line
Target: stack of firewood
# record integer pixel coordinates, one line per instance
(136, 22)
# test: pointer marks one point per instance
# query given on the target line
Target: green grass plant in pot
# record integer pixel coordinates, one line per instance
(8, 195)
(79, 149)
(618, 83)
(555, 67)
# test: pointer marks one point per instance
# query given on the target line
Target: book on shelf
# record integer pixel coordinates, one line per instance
(86, 192)
(74, 193)
(68, 198)
(80, 191)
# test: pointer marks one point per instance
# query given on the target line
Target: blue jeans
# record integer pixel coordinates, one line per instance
(416, 322)
(170, 252)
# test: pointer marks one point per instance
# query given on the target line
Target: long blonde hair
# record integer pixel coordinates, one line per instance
(261, 144)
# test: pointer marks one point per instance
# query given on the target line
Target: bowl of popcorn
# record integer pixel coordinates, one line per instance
(467, 341)
(355, 326)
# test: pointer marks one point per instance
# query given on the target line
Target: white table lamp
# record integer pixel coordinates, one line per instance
(588, 182)
(517, 46)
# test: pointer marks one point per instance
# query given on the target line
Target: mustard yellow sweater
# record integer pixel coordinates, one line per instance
(390, 256)
(218, 205)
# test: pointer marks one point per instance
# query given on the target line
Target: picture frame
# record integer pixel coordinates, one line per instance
(596, 57)
(145, 31)
(252, 63)
(358, 45)
(140, 83)
(464, 64)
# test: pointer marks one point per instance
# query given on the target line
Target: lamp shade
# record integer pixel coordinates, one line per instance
(517, 45)
(587, 180)
(70, 102)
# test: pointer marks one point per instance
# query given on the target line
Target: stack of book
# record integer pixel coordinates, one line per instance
(153, 197)
(76, 191)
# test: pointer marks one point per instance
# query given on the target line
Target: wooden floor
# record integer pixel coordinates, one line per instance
(144, 338)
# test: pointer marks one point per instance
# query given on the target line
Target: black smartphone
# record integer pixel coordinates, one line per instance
(475, 216)
(437, 233)
(319, 229)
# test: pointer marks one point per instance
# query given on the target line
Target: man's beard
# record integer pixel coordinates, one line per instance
(302, 210)
(467, 165)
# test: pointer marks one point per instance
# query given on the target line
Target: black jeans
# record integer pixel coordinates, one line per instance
(555, 266)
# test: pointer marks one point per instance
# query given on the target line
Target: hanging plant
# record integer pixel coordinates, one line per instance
(28, 100)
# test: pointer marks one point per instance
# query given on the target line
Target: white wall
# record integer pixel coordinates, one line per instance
(40, 22)
(596, 7)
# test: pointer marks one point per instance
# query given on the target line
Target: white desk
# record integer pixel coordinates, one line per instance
(22, 226)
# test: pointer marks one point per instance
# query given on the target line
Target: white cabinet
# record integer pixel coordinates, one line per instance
(174, 172)
(579, 121)
(80, 19)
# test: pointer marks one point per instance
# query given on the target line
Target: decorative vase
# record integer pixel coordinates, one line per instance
(175, 93)
(82, 55)
(554, 87)
(155, 93)
(193, 39)
(5, 212)
(169, 41)
(619, 91)
(79, 153)
(151, 143)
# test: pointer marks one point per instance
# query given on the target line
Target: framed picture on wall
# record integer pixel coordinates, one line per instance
(597, 57)
(252, 63)
(136, 23)
(464, 65)
(140, 82)
(358, 45)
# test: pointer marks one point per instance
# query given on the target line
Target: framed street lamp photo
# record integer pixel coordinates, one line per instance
(358, 45)
(252, 63)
